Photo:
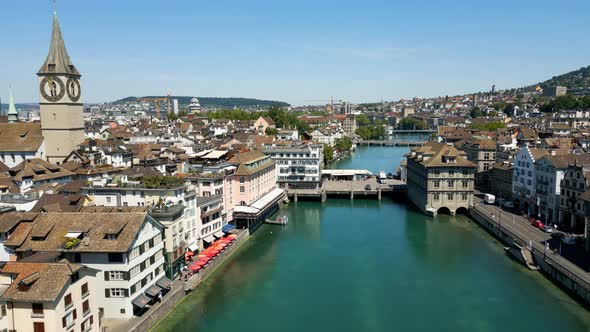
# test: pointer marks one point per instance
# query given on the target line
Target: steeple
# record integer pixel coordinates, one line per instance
(12, 113)
(58, 61)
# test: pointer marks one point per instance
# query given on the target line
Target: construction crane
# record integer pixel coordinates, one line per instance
(156, 101)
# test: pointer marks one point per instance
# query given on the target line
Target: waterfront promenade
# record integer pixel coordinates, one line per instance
(511, 228)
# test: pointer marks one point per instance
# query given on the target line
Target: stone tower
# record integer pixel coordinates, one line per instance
(62, 122)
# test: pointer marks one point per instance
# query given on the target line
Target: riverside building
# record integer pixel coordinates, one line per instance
(439, 178)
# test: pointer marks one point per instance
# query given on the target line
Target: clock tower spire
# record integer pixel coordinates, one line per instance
(62, 122)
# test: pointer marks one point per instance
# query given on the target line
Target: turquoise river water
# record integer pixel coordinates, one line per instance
(365, 265)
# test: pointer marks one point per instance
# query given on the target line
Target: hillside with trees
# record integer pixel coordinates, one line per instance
(217, 102)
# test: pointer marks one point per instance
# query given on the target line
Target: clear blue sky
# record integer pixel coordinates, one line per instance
(295, 51)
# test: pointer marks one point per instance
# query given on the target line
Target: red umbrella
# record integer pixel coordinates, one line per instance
(194, 267)
(202, 256)
(232, 236)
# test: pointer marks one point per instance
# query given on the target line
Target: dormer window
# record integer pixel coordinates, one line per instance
(51, 67)
(111, 237)
(449, 159)
(71, 67)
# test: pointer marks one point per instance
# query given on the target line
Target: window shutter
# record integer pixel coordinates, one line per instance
(107, 292)
(126, 292)
(3, 310)
(132, 291)
(74, 313)
(63, 321)
(106, 276)
(91, 320)
(126, 275)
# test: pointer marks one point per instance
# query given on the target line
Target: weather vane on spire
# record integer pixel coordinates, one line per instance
(54, 7)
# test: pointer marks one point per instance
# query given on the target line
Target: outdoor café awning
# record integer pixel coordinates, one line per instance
(209, 238)
(218, 234)
(153, 290)
(228, 227)
(164, 282)
(141, 301)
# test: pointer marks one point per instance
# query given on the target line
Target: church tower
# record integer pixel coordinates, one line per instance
(62, 122)
(12, 112)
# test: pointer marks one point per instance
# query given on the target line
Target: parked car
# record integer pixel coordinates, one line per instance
(557, 235)
(568, 240)
(548, 229)
(537, 223)
(368, 187)
(508, 204)
(489, 198)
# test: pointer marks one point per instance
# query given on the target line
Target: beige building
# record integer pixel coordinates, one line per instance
(576, 181)
(439, 178)
(39, 297)
(62, 122)
(482, 152)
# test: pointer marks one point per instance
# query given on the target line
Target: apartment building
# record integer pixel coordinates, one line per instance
(549, 171)
(127, 248)
(298, 167)
(500, 179)
(44, 297)
(524, 177)
(482, 152)
(150, 194)
(210, 219)
(576, 181)
(440, 178)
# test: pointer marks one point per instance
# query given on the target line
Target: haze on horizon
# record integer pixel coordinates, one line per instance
(302, 52)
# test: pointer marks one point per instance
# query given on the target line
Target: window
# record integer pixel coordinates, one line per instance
(464, 183)
(38, 309)
(87, 324)
(241, 179)
(38, 327)
(85, 308)
(108, 199)
(118, 292)
(437, 184)
(451, 172)
(464, 196)
(68, 301)
(242, 189)
(436, 196)
(111, 237)
(451, 184)
(84, 289)
(68, 319)
(450, 196)
(116, 258)
(116, 275)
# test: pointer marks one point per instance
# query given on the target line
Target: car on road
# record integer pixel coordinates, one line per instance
(368, 187)
(557, 235)
(568, 240)
(548, 229)
(537, 223)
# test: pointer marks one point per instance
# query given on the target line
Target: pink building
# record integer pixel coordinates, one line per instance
(255, 176)
(254, 189)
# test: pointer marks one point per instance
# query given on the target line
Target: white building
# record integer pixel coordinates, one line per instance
(524, 177)
(298, 167)
(127, 248)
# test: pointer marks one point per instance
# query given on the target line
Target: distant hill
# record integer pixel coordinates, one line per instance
(218, 102)
(576, 80)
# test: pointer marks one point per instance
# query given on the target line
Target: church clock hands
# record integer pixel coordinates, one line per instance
(52, 88)
(73, 89)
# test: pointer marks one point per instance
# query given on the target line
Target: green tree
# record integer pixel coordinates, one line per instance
(411, 123)
(362, 120)
(490, 126)
(344, 144)
(271, 131)
(476, 112)
(328, 153)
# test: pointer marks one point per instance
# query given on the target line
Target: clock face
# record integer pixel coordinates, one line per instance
(52, 88)
(73, 88)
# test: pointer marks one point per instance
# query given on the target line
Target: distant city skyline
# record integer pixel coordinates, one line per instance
(301, 53)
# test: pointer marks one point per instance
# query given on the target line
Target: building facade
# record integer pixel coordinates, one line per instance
(439, 178)
(576, 181)
(298, 167)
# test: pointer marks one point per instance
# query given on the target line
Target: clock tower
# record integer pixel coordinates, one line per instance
(62, 122)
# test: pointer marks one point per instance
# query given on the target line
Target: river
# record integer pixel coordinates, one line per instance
(365, 265)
